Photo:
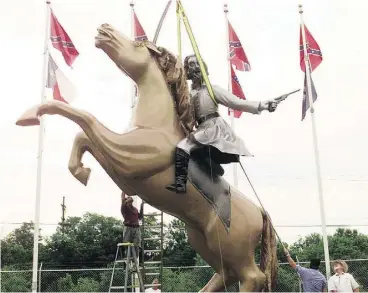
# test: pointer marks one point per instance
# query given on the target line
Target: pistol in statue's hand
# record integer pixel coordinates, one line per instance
(269, 105)
(272, 105)
(283, 97)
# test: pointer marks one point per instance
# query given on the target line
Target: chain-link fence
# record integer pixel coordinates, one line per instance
(174, 279)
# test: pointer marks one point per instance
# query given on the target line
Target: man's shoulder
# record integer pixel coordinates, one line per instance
(333, 277)
(299, 267)
(321, 275)
(350, 276)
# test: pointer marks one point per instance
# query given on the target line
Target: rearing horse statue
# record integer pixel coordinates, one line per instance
(140, 161)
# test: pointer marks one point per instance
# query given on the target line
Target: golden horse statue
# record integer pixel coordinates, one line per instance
(140, 161)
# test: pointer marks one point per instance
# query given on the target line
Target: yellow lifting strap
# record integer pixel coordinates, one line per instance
(180, 13)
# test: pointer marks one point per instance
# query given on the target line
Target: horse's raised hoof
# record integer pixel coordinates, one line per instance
(177, 188)
(82, 174)
(29, 118)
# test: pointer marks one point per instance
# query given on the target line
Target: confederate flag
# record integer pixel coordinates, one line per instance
(139, 33)
(237, 91)
(61, 41)
(313, 50)
(62, 88)
(237, 54)
(305, 104)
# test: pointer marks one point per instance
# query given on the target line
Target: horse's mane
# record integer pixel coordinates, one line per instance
(175, 76)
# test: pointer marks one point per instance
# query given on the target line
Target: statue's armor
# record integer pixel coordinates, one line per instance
(213, 129)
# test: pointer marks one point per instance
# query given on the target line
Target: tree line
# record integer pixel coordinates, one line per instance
(90, 241)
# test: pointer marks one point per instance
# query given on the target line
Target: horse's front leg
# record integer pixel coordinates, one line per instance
(81, 144)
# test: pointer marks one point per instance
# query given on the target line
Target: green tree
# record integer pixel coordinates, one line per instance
(177, 250)
(13, 281)
(86, 285)
(17, 247)
(343, 244)
(66, 284)
(87, 241)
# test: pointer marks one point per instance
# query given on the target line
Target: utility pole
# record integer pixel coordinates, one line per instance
(63, 208)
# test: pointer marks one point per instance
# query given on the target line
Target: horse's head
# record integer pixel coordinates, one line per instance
(135, 59)
(130, 56)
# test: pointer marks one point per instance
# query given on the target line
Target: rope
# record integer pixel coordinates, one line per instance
(181, 12)
(161, 22)
(259, 200)
(217, 230)
(178, 30)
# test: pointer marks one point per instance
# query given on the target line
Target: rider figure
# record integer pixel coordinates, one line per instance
(212, 129)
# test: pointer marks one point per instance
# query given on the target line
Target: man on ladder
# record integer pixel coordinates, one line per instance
(131, 215)
(132, 231)
(129, 249)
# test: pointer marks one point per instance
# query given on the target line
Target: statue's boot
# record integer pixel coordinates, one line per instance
(181, 172)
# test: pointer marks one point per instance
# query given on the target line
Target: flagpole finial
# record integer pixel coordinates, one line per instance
(300, 8)
(225, 8)
(48, 2)
(131, 3)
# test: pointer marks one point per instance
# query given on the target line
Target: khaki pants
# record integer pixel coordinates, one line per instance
(132, 235)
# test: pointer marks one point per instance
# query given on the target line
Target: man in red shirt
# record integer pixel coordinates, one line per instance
(132, 232)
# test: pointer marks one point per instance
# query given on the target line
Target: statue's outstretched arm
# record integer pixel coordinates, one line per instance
(231, 101)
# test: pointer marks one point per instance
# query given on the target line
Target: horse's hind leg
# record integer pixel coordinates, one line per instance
(217, 284)
(251, 279)
(221, 278)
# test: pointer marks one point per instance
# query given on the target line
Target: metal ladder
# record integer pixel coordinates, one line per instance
(130, 253)
(153, 268)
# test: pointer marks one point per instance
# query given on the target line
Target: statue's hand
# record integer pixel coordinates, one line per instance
(269, 105)
(272, 105)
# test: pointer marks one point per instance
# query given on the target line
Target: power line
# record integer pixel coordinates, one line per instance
(255, 177)
(176, 226)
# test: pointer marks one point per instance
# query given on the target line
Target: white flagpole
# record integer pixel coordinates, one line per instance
(1, 240)
(316, 152)
(39, 154)
(232, 120)
(230, 89)
(133, 32)
(133, 99)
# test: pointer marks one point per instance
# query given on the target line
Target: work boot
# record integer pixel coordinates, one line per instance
(181, 172)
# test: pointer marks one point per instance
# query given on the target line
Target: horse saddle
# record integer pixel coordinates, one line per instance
(206, 176)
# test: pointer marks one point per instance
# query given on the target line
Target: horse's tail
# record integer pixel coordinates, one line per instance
(268, 262)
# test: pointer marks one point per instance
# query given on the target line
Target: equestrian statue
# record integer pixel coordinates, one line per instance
(212, 130)
(223, 225)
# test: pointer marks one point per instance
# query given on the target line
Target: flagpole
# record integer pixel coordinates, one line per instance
(1, 240)
(316, 152)
(133, 97)
(133, 37)
(232, 113)
(230, 89)
(133, 93)
(39, 155)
